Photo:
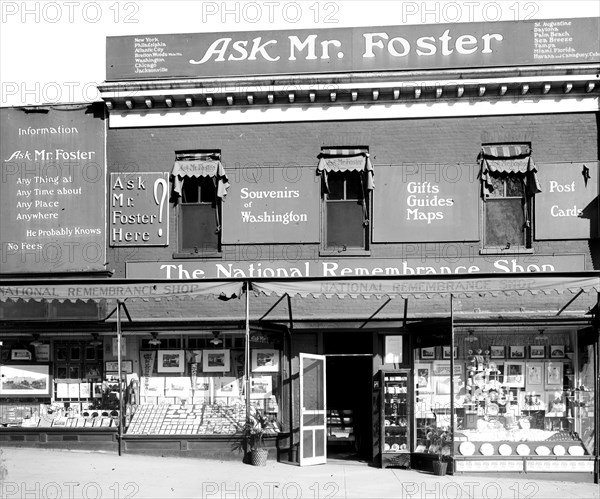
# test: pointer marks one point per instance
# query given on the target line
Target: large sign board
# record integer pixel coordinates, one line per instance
(52, 188)
(388, 48)
(426, 202)
(361, 267)
(139, 209)
(568, 206)
(272, 205)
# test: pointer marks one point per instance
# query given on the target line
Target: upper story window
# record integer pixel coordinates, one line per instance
(199, 187)
(508, 185)
(346, 187)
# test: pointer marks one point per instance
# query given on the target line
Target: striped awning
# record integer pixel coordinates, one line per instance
(509, 159)
(342, 160)
(199, 165)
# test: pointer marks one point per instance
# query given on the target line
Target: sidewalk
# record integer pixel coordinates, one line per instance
(33, 473)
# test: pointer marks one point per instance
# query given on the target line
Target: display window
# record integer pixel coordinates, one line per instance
(200, 388)
(524, 393)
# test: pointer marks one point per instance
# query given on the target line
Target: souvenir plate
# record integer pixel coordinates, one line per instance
(559, 450)
(395, 447)
(492, 409)
(386, 422)
(386, 447)
(523, 450)
(487, 449)
(466, 448)
(576, 450)
(505, 450)
(542, 450)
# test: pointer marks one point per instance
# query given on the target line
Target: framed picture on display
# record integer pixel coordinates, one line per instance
(516, 352)
(428, 353)
(25, 380)
(423, 377)
(171, 361)
(446, 352)
(265, 360)
(497, 352)
(537, 351)
(113, 365)
(216, 361)
(554, 374)
(557, 351)
(514, 374)
(535, 375)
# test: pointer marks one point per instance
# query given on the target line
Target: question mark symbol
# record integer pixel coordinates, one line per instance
(160, 202)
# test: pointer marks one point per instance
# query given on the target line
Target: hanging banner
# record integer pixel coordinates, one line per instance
(147, 360)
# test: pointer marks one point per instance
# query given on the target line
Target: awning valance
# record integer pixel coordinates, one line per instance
(116, 290)
(428, 288)
(342, 160)
(509, 159)
(199, 165)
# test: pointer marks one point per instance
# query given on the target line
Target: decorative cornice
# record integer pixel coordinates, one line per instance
(549, 82)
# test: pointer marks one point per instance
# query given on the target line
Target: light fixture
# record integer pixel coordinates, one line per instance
(541, 336)
(36, 341)
(154, 342)
(470, 338)
(96, 341)
(216, 340)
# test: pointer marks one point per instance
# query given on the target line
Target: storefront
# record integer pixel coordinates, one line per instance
(361, 218)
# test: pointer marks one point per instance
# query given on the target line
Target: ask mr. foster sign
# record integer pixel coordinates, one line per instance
(385, 48)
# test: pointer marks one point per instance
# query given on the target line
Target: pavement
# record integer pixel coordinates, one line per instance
(41, 473)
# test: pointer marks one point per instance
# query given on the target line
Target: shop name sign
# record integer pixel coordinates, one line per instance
(352, 49)
(351, 268)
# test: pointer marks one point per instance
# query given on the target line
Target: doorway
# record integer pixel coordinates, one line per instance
(349, 406)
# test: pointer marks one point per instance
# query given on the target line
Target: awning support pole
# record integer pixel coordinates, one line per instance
(247, 350)
(452, 372)
(596, 326)
(121, 417)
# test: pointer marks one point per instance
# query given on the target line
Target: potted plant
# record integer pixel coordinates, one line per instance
(252, 434)
(440, 443)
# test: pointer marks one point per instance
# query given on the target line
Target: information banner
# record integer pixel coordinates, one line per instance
(52, 189)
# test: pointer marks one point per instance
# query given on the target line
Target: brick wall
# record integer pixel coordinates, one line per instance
(554, 138)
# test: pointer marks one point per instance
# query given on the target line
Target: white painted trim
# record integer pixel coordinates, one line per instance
(396, 110)
(261, 87)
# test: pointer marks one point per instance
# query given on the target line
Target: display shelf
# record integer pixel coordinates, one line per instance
(396, 425)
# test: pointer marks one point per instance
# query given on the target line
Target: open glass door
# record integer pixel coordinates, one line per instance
(313, 426)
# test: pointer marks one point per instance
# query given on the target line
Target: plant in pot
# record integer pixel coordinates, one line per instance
(252, 435)
(439, 441)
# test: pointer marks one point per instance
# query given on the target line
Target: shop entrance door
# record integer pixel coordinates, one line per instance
(313, 425)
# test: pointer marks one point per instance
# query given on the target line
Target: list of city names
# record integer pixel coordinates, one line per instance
(553, 40)
(151, 54)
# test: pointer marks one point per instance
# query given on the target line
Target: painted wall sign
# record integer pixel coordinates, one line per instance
(385, 48)
(431, 202)
(272, 205)
(139, 209)
(568, 206)
(282, 269)
(52, 189)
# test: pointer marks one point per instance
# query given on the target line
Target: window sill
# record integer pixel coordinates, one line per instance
(197, 256)
(504, 251)
(336, 253)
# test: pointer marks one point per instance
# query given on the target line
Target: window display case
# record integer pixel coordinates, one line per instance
(396, 417)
